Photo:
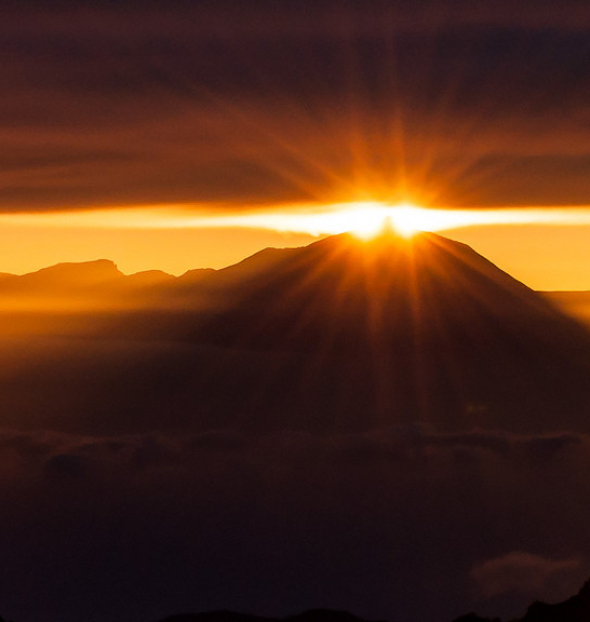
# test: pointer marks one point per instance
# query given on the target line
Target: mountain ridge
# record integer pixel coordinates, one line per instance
(576, 608)
(310, 615)
(395, 330)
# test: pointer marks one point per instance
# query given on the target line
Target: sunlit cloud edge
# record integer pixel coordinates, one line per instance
(363, 217)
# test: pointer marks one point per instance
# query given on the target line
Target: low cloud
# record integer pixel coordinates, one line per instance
(400, 503)
(520, 572)
(59, 452)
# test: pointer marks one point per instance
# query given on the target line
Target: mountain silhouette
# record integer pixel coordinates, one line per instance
(62, 280)
(384, 293)
(90, 285)
(313, 615)
(399, 331)
(344, 334)
(574, 609)
(70, 274)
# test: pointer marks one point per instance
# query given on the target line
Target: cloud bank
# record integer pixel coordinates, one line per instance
(221, 104)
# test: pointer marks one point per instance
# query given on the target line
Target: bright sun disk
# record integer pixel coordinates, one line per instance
(367, 220)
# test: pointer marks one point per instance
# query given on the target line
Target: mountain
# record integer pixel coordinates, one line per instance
(66, 275)
(344, 334)
(396, 331)
(149, 278)
(313, 615)
(574, 609)
(382, 293)
(89, 285)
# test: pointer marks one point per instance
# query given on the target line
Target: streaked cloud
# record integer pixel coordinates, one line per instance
(463, 103)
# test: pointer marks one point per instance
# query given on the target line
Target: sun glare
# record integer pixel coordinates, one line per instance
(406, 219)
(367, 220)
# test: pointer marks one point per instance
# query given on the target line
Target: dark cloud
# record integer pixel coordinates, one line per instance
(157, 512)
(73, 454)
(65, 466)
(226, 102)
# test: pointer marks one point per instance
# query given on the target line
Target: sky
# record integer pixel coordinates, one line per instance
(212, 110)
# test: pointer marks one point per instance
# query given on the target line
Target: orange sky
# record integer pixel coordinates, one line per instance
(241, 107)
(546, 249)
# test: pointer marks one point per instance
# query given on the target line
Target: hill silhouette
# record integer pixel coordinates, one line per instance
(313, 615)
(574, 609)
(65, 276)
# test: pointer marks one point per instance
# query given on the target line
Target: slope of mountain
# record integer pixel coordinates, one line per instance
(576, 304)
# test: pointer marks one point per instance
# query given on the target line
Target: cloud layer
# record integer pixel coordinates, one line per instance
(217, 103)
(281, 522)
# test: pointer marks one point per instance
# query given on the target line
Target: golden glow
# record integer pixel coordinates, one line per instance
(368, 219)
(176, 238)
(364, 217)
(407, 221)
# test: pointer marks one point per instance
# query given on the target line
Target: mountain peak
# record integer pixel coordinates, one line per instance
(84, 271)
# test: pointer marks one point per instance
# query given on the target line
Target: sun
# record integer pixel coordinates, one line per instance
(409, 219)
(367, 220)
(363, 219)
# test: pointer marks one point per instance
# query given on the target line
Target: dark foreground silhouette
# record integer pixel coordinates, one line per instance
(574, 609)
(313, 615)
